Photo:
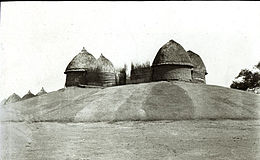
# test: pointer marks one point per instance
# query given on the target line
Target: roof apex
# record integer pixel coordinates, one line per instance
(83, 50)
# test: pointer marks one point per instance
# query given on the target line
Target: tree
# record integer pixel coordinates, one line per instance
(258, 65)
(249, 80)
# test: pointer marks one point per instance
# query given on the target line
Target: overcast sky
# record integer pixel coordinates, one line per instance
(39, 39)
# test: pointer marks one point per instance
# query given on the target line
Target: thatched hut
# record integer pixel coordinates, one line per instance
(41, 92)
(105, 71)
(3, 102)
(84, 70)
(199, 71)
(13, 98)
(28, 95)
(172, 63)
(81, 70)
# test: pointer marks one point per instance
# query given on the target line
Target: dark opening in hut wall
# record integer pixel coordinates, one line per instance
(198, 76)
(75, 78)
(141, 75)
(171, 72)
(121, 77)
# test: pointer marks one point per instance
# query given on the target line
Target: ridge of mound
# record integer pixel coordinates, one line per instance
(146, 101)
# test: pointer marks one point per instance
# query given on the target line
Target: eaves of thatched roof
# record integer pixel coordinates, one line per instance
(172, 53)
(82, 62)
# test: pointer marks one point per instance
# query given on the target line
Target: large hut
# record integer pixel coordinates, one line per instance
(199, 71)
(105, 71)
(84, 69)
(172, 63)
(81, 70)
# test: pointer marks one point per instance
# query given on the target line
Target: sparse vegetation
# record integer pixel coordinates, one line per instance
(142, 65)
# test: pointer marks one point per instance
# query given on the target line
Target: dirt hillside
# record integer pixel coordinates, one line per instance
(147, 101)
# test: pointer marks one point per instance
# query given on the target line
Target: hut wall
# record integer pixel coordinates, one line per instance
(141, 75)
(106, 79)
(171, 72)
(90, 78)
(84, 78)
(198, 76)
(75, 78)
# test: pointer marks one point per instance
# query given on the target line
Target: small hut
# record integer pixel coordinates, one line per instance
(3, 102)
(106, 72)
(172, 63)
(42, 91)
(13, 98)
(81, 69)
(199, 71)
(28, 95)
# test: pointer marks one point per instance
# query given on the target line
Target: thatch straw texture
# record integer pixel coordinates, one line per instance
(28, 95)
(84, 69)
(41, 92)
(197, 62)
(13, 98)
(172, 53)
(82, 62)
(106, 79)
(171, 72)
(199, 70)
(104, 65)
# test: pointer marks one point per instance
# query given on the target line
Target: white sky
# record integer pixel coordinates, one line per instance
(39, 39)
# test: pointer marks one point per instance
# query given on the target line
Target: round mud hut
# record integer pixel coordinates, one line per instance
(172, 63)
(199, 71)
(81, 70)
(12, 99)
(106, 72)
(28, 95)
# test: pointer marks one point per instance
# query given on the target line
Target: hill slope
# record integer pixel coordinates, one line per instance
(147, 101)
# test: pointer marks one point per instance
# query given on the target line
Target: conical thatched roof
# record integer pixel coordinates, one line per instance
(82, 62)
(104, 65)
(28, 95)
(197, 61)
(42, 91)
(172, 53)
(3, 102)
(13, 98)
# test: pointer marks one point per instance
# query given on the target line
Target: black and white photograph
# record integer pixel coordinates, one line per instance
(130, 80)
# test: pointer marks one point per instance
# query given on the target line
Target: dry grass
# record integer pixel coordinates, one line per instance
(147, 101)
